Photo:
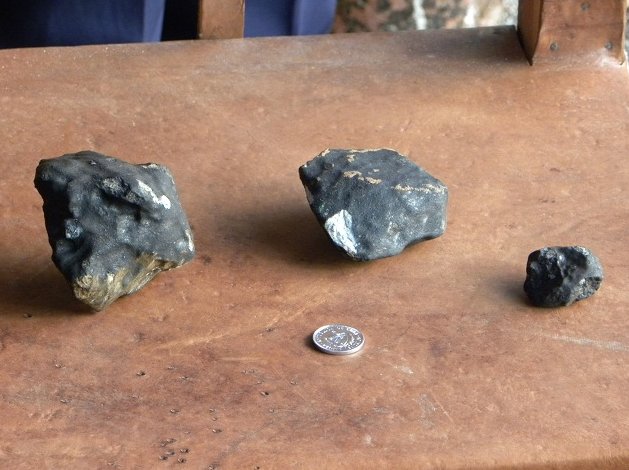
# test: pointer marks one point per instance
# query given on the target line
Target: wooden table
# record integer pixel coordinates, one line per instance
(214, 360)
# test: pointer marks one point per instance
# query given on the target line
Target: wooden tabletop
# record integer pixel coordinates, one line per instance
(211, 365)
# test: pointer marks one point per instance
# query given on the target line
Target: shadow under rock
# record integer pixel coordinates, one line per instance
(510, 288)
(37, 290)
(294, 236)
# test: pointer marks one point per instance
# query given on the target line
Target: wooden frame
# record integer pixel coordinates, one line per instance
(560, 30)
(549, 30)
(221, 19)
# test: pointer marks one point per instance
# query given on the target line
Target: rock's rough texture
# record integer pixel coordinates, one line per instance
(112, 225)
(558, 276)
(374, 203)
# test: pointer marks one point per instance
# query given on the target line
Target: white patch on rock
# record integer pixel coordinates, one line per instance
(425, 188)
(351, 174)
(360, 177)
(146, 189)
(339, 227)
(433, 188)
(190, 242)
(371, 150)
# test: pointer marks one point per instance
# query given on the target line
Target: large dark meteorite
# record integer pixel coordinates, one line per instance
(374, 203)
(112, 225)
(558, 276)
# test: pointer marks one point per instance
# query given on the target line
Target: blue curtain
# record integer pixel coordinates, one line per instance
(32, 23)
(27, 23)
(288, 17)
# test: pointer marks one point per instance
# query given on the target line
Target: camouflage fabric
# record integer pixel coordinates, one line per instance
(374, 15)
(400, 15)
(445, 13)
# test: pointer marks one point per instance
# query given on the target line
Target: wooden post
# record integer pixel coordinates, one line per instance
(573, 30)
(221, 19)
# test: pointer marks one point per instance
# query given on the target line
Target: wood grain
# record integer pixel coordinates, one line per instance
(213, 361)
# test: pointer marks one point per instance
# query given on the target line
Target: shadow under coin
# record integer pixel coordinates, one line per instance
(309, 343)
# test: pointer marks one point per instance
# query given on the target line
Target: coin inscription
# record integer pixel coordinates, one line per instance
(338, 339)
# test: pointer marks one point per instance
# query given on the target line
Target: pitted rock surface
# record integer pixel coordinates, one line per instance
(112, 225)
(374, 203)
(558, 276)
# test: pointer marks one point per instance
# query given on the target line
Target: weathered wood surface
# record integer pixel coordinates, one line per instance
(458, 370)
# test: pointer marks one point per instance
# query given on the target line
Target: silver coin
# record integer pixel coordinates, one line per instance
(338, 339)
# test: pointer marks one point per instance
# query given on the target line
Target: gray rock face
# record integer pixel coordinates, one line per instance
(374, 203)
(112, 225)
(558, 276)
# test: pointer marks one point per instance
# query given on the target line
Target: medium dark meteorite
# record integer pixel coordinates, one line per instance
(374, 203)
(558, 276)
(112, 225)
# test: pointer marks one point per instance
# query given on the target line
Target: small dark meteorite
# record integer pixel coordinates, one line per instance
(112, 225)
(374, 203)
(558, 276)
